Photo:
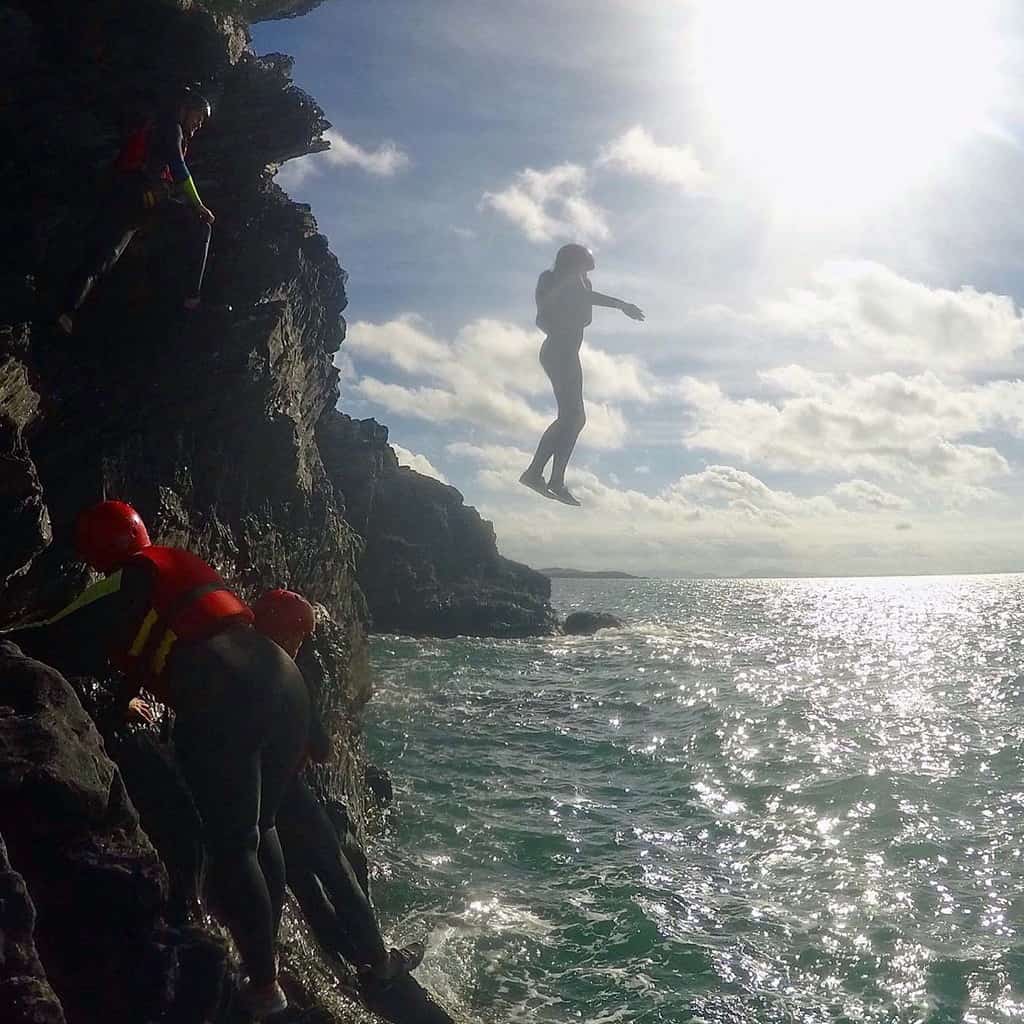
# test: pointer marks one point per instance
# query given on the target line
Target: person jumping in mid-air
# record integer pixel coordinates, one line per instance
(153, 182)
(564, 302)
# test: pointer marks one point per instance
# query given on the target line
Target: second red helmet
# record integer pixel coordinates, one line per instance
(286, 617)
(108, 534)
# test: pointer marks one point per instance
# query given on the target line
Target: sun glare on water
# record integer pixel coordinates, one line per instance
(833, 105)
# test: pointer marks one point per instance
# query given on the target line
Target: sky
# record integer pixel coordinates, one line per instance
(818, 205)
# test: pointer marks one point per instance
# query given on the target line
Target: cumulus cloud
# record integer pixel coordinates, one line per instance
(636, 153)
(385, 161)
(488, 376)
(866, 496)
(551, 204)
(917, 430)
(725, 520)
(866, 310)
(420, 463)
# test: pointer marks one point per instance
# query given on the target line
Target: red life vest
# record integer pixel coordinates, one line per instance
(133, 156)
(188, 602)
(134, 150)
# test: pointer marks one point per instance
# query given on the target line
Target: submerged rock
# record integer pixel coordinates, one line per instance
(585, 623)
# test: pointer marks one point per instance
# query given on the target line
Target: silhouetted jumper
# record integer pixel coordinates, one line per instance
(565, 299)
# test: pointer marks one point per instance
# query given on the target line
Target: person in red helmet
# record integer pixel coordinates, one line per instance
(319, 874)
(565, 300)
(169, 622)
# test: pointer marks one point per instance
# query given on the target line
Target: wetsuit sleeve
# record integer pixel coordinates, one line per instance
(74, 641)
(174, 152)
(173, 141)
(318, 742)
(188, 187)
(319, 745)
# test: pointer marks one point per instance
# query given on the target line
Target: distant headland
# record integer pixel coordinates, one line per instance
(583, 574)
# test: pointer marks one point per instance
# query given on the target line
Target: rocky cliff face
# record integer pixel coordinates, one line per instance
(431, 564)
(220, 429)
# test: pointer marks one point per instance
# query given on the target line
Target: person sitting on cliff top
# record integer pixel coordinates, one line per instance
(168, 622)
(319, 874)
(565, 299)
(153, 183)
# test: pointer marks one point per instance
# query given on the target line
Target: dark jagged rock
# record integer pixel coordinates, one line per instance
(24, 521)
(25, 994)
(96, 881)
(585, 623)
(431, 564)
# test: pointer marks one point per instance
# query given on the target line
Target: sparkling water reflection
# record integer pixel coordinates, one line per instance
(772, 800)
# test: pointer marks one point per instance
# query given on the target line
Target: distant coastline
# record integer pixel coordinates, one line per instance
(583, 574)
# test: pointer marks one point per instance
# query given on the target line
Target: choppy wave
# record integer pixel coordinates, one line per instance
(772, 800)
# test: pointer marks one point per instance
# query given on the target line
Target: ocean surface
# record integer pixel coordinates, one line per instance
(766, 800)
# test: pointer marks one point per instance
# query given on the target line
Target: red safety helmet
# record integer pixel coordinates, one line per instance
(286, 617)
(108, 534)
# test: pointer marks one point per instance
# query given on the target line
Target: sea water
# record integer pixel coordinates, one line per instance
(759, 800)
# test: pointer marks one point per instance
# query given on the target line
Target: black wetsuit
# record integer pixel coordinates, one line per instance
(321, 878)
(147, 189)
(242, 721)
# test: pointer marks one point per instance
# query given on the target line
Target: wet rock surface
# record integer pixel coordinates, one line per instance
(95, 879)
(586, 623)
(25, 993)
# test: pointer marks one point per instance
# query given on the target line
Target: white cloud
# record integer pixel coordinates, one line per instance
(635, 152)
(551, 204)
(724, 520)
(488, 376)
(867, 311)
(420, 463)
(915, 430)
(383, 162)
(616, 376)
(488, 408)
(866, 496)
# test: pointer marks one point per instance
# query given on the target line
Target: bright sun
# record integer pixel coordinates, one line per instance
(835, 105)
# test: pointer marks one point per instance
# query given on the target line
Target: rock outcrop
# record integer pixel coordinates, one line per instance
(25, 992)
(97, 883)
(431, 564)
(586, 623)
(213, 427)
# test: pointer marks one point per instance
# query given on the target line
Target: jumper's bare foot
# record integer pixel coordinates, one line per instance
(65, 323)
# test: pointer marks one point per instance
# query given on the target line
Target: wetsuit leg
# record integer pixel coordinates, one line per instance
(195, 234)
(111, 235)
(241, 726)
(548, 444)
(280, 758)
(323, 881)
(566, 375)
